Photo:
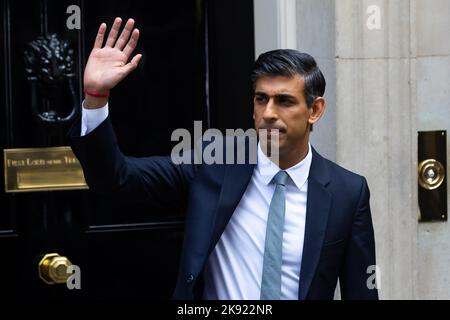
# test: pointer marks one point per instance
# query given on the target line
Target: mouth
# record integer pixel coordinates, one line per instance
(274, 131)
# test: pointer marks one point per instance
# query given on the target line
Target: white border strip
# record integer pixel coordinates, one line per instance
(275, 25)
(287, 24)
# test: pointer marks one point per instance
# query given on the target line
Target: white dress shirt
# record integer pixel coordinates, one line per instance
(234, 268)
(91, 118)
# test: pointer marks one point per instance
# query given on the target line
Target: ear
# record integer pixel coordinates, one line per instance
(316, 111)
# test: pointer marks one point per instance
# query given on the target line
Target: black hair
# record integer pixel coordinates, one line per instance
(288, 62)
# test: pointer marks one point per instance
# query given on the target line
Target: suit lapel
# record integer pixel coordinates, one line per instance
(317, 211)
(236, 179)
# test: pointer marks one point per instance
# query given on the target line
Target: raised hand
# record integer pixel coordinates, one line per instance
(108, 65)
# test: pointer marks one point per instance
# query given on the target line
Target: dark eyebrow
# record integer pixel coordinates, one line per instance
(285, 96)
(277, 96)
(261, 94)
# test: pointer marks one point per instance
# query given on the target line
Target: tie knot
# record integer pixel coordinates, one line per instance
(280, 178)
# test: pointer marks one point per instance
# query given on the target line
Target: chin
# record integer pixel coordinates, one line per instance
(281, 148)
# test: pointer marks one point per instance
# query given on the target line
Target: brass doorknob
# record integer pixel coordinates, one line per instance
(53, 268)
(431, 174)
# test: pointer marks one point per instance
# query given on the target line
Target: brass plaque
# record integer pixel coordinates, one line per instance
(42, 169)
(432, 176)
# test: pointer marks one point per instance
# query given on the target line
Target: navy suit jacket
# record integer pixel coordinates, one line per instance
(339, 237)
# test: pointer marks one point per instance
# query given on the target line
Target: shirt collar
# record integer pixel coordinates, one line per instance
(298, 173)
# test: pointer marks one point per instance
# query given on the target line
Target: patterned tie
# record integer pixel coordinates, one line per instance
(271, 275)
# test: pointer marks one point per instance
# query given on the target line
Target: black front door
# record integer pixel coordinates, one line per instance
(197, 57)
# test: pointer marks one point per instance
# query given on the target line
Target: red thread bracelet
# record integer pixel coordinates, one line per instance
(96, 94)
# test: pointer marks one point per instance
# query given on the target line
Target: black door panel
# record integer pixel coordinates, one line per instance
(124, 249)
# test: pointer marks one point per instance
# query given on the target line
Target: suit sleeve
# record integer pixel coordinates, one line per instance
(107, 171)
(355, 278)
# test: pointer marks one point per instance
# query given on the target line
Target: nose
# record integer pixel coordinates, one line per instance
(270, 111)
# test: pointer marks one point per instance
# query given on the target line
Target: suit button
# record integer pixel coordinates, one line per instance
(190, 278)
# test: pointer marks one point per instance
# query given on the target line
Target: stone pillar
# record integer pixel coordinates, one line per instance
(376, 127)
(366, 49)
(433, 113)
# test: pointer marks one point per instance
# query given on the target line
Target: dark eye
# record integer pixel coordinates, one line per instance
(285, 101)
(260, 99)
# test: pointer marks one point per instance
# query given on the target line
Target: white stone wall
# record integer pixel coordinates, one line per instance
(383, 85)
(433, 113)
(317, 37)
(376, 129)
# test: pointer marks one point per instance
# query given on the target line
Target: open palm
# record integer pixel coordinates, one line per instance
(108, 65)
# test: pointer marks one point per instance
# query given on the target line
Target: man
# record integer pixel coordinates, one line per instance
(286, 233)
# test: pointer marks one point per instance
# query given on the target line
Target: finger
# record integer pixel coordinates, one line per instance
(113, 33)
(132, 64)
(132, 43)
(125, 34)
(100, 36)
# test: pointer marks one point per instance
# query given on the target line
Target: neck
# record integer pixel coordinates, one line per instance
(291, 157)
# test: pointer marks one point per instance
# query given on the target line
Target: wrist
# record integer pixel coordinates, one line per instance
(91, 102)
(98, 93)
(95, 98)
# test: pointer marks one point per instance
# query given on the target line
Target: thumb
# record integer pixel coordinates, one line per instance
(132, 64)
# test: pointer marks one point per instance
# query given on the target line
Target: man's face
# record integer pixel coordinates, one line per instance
(279, 103)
